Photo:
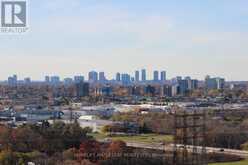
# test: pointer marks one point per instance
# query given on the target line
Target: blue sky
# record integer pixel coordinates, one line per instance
(69, 37)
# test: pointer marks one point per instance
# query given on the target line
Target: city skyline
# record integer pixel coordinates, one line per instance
(185, 38)
(99, 76)
(101, 82)
(110, 76)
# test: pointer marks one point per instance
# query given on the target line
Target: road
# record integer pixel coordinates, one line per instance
(169, 147)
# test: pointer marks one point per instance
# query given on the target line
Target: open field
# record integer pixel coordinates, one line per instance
(144, 138)
(244, 162)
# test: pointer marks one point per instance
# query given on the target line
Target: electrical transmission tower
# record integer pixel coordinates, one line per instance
(189, 137)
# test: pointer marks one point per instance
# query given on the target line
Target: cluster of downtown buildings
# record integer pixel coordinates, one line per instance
(98, 77)
(135, 85)
(32, 100)
(123, 78)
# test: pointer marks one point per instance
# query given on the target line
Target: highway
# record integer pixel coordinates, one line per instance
(169, 147)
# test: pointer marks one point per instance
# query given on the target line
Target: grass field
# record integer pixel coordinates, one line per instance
(245, 162)
(144, 138)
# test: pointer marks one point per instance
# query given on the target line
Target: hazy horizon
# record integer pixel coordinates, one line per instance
(185, 38)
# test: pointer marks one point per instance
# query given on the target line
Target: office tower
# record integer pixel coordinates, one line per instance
(210, 83)
(176, 79)
(155, 75)
(47, 79)
(143, 75)
(194, 84)
(150, 90)
(137, 76)
(15, 78)
(163, 76)
(167, 90)
(55, 80)
(125, 79)
(214, 83)
(78, 79)
(183, 86)
(102, 77)
(189, 82)
(106, 90)
(187, 78)
(220, 83)
(82, 89)
(175, 90)
(93, 76)
(68, 81)
(118, 77)
(12, 80)
(27, 80)
(179, 78)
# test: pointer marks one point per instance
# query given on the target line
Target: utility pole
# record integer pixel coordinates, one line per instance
(189, 137)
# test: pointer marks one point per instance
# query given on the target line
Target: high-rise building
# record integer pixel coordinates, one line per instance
(93, 76)
(167, 90)
(210, 83)
(214, 83)
(15, 78)
(78, 79)
(137, 76)
(118, 77)
(189, 82)
(125, 79)
(143, 75)
(183, 86)
(27, 80)
(102, 77)
(68, 81)
(163, 76)
(106, 90)
(150, 90)
(47, 79)
(175, 90)
(176, 79)
(155, 75)
(82, 89)
(220, 83)
(179, 77)
(12, 80)
(194, 84)
(55, 80)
